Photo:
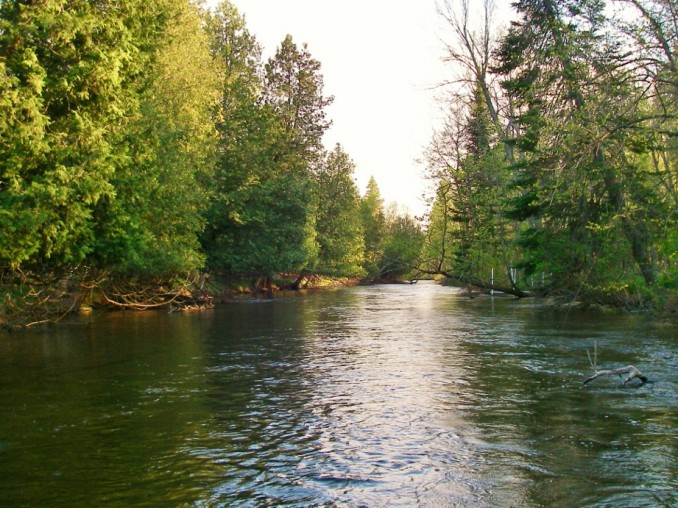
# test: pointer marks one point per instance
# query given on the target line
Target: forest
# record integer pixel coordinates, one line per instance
(148, 153)
(557, 162)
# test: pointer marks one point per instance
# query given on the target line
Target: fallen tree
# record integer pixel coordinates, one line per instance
(31, 298)
(464, 279)
(477, 283)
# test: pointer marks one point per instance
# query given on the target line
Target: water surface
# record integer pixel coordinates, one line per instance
(371, 396)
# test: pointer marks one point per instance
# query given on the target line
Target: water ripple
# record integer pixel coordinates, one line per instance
(367, 397)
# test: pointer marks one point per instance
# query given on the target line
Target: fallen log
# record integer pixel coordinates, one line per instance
(632, 372)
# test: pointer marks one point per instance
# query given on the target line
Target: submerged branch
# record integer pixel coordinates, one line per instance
(632, 372)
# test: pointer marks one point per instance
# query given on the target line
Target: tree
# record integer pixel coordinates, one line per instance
(581, 194)
(106, 134)
(260, 220)
(294, 89)
(403, 243)
(67, 74)
(373, 225)
(338, 223)
(578, 186)
(471, 52)
(259, 215)
(651, 65)
(467, 234)
(151, 225)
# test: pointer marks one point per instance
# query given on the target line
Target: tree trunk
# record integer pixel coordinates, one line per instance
(297, 283)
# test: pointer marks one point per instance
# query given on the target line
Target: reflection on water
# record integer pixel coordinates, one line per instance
(370, 396)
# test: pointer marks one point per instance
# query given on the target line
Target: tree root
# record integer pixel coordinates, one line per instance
(632, 372)
(32, 299)
(157, 294)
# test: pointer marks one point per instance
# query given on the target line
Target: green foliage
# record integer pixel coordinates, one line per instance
(65, 70)
(374, 227)
(294, 88)
(145, 137)
(579, 177)
(583, 200)
(403, 244)
(258, 219)
(152, 224)
(338, 223)
(468, 231)
(106, 134)
(261, 219)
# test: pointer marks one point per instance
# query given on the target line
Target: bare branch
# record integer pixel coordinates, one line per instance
(632, 372)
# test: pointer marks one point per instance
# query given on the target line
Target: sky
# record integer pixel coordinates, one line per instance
(382, 62)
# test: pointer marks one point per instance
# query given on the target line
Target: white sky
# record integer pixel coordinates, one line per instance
(381, 60)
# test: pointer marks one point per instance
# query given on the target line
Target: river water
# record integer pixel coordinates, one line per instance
(407, 395)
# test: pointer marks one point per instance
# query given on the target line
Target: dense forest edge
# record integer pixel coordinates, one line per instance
(150, 158)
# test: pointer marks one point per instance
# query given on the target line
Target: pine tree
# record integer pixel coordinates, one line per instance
(294, 88)
(574, 175)
(260, 221)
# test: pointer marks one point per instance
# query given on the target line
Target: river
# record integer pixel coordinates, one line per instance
(382, 396)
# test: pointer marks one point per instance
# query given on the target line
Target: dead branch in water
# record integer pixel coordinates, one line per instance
(34, 298)
(632, 372)
(157, 294)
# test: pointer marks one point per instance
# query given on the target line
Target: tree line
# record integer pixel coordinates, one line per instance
(150, 141)
(147, 140)
(557, 164)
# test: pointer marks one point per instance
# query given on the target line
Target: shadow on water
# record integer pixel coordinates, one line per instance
(369, 396)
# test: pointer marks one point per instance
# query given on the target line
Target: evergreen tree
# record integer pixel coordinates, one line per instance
(578, 192)
(294, 88)
(403, 243)
(373, 225)
(106, 134)
(338, 223)
(67, 76)
(649, 121)
(467, 234)
(151, 226)
(261, 218)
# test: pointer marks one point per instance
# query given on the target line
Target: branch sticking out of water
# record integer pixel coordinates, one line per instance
(632, 372)
(594, 362)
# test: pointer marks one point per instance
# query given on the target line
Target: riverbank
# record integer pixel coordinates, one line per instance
(27, 300)
(661, 306)
(30, 301)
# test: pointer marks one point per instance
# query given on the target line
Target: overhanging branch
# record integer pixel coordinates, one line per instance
(464, 279)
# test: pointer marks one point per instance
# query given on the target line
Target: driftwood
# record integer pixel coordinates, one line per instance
(154, 294)
(632, 372)
(34, 298)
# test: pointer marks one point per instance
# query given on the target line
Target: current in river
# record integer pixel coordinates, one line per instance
(380, 396)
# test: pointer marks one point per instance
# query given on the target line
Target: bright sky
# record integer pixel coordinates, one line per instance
(381, 60)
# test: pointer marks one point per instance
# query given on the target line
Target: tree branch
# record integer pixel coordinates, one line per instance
(630, 370)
